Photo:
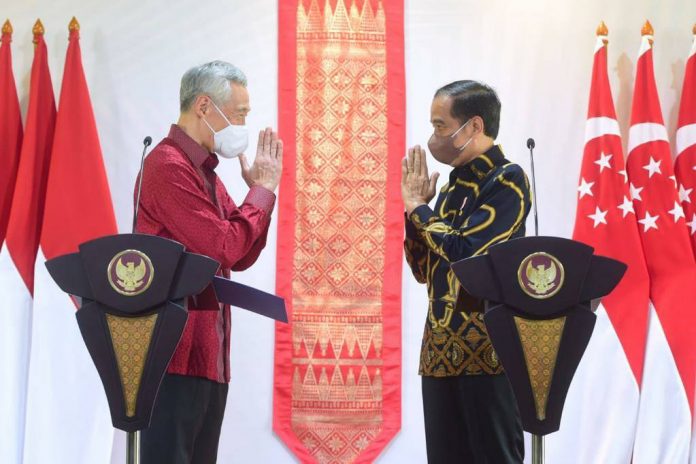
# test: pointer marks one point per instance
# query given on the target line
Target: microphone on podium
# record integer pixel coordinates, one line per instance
(531, 145)
(147, 141)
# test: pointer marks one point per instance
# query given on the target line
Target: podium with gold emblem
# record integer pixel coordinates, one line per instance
(540, 294)
(131, 290)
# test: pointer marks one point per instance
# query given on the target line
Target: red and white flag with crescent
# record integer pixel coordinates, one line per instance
(599, 418)
(685, 164)
(667, 396)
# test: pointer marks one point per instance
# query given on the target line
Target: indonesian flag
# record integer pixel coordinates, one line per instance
(10, 130)
(599, 419)
(664, 424)
(69, 422)
(18, 253)
(685, 166)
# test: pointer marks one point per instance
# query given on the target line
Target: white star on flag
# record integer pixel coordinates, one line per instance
(649, 222)
(684, 194)
(585, 188)
(625, 174)
(653, 167)
(677, 212)
(603, 162)
(635, 192)
(598, 217)
(626, 206)
(692, 224)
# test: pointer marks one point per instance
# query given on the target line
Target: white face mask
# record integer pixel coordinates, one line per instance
(231, 141)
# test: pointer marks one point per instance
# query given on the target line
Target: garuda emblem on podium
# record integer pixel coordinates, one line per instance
(130, 272)
(540, 275)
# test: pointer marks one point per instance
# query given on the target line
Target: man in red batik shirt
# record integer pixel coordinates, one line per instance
(184, 200)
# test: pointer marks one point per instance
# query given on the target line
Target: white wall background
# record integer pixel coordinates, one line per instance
(536, 53)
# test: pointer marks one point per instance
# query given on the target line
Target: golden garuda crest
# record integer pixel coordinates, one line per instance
(130, 272)
(540, 275)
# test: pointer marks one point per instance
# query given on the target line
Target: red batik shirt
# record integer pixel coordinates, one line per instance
(184, 200)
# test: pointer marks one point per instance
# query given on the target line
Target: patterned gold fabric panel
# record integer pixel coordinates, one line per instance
(540, 341)
(340, 229)
(131, 338)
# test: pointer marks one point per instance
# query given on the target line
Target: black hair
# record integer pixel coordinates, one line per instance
(472, 98)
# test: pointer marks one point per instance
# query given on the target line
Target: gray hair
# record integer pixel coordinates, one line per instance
(211, 79)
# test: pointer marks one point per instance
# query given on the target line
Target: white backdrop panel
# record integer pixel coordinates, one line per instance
(537, 54)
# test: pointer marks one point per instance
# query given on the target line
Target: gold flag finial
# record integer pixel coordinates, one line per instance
(693, 31)
(647, 29)
(7, 27)
(74, 25)
(602, 29)
(38, 28)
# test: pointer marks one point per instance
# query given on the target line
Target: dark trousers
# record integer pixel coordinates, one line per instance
(186, 422)
(471, 419)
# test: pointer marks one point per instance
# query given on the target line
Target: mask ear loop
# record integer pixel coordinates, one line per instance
(460, 129)
(221, 113)
(466, 144)
(211, 129)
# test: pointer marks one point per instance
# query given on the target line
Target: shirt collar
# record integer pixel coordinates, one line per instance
(198, 155)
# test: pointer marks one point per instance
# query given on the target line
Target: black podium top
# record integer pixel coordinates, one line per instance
(539, 276)
(131, 273)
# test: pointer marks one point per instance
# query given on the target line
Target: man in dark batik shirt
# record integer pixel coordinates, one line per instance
(470, 411)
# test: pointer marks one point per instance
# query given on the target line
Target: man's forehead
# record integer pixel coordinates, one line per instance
(240, 97)
(442, 104)
(440, 109)
(239, 90)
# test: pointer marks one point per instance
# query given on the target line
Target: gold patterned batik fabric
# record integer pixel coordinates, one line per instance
(485, 202)
(540, 342)
(467, 350)
(131, 338)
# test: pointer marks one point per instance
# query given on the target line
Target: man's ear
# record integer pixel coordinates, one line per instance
(478, 125)
(201, 105)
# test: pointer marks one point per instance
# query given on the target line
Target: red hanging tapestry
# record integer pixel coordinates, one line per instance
(337, 395)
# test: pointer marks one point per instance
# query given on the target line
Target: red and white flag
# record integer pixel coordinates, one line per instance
(18, 253)
(685, 165)
(664, 421)
(599, 419)
(10, 130)
(70, 421)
